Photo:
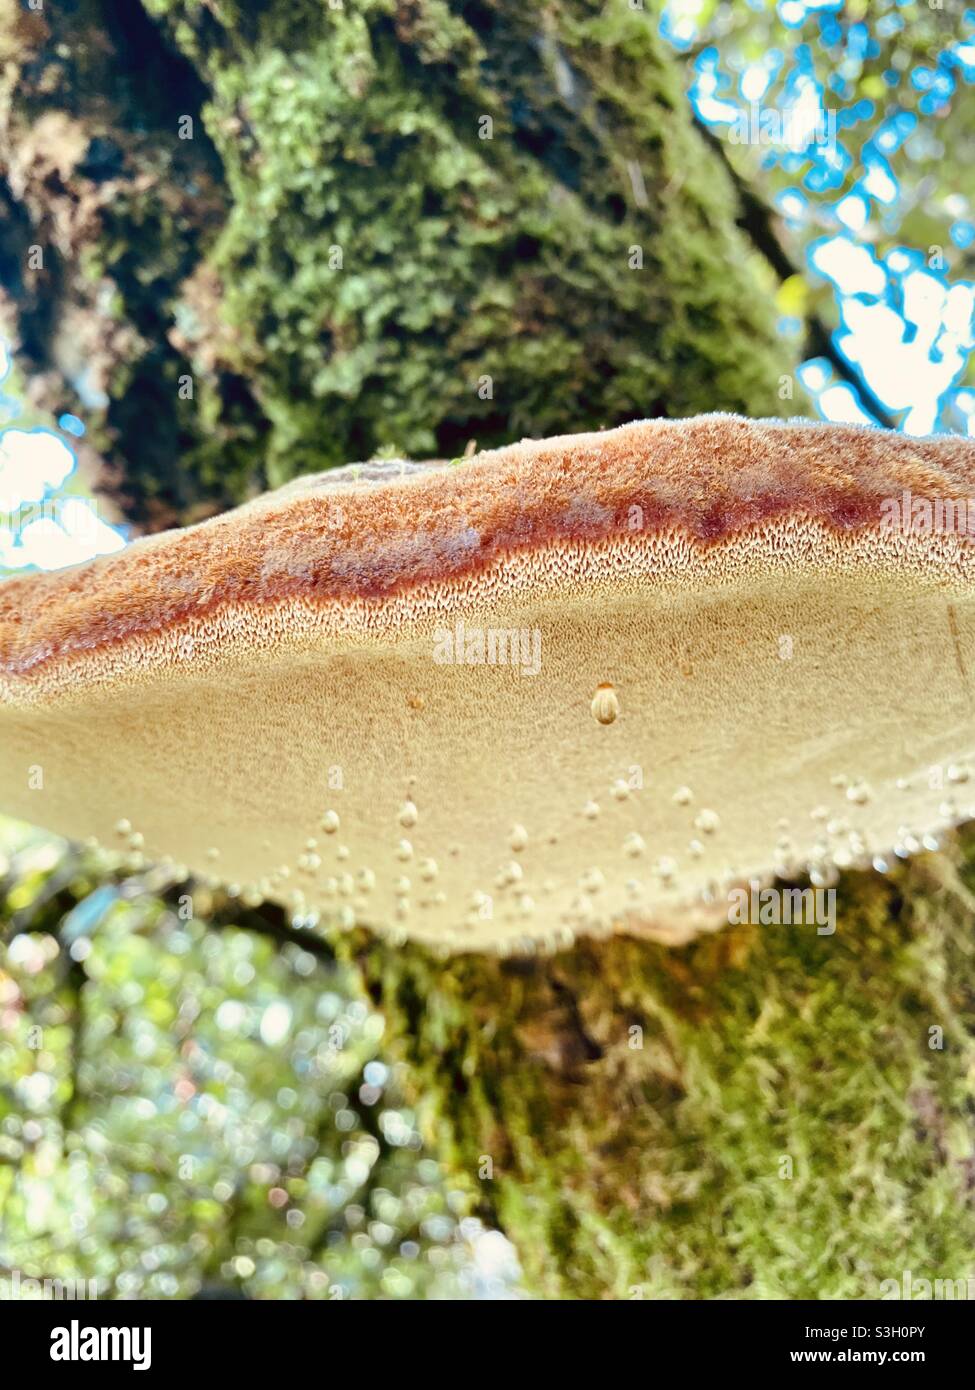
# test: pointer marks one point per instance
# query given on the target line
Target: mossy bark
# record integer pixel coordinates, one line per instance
(768, 1113)
(287, 236)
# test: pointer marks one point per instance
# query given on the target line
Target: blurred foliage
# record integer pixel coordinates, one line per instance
(899, 178)
(187, 1103)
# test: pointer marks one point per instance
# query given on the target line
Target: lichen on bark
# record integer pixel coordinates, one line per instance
(767, 1113)
(398, 224)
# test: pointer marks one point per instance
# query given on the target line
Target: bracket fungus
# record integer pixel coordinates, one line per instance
(584, 684)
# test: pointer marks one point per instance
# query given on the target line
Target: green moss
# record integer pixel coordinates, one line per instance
(340, 261)
(380, 261)
(662, 1170)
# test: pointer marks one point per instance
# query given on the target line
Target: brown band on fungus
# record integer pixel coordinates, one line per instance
(370, 531)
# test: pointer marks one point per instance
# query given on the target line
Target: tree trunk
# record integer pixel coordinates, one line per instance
(282, 237)
(769, 1112)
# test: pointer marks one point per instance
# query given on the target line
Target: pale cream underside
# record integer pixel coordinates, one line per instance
(813, 695)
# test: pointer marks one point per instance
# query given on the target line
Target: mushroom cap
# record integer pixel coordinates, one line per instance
(584, 684)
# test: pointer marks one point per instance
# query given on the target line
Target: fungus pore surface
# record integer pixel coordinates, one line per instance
(584, 684)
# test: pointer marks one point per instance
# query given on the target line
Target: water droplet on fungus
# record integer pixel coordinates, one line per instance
(518, 838)
(605, 704)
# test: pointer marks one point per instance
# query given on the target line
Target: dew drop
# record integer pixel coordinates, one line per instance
(823, 875)
(123, 827)
(590, 810)
(683, 796)
(665, 868)
(330, 822)
(707, 822)
(404, 850)
(634, 845)
(428, 870)
(859, 793)
(408, 814)
(507, 874)
(620, 789)
(518, 838)
(605, 704)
